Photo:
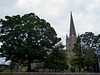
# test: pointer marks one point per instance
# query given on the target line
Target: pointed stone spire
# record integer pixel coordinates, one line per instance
(72, 28)
(66, 36)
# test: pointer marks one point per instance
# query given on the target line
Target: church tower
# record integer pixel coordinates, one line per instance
(71, 39)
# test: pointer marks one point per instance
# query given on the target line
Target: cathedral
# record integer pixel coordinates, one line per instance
(71, 39)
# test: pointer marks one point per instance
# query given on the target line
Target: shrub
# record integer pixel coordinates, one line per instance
(72, 69)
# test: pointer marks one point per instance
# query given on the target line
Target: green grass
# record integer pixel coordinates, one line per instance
(6, 71)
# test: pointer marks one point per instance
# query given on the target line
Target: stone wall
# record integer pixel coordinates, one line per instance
(31, 73)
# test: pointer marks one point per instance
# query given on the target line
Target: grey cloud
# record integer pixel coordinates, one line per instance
(7, 3)
(57, 13)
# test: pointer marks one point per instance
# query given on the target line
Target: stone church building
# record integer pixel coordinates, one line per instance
(71, 39)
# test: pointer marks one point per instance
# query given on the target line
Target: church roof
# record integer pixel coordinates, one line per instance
(72, 28)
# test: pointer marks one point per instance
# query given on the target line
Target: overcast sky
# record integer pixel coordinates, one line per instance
(86, 13)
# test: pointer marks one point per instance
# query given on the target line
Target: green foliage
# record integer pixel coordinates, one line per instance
(87, 40)
(90, 46)
(57, 59)
(90, 58)
(96, 45)
(66, 67)
(1, 70)
(77, 47)
(6, 71)
(85, 50)
(72, 69)
(26, 39)
(78, 60)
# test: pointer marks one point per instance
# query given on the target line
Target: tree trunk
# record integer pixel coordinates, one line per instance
(29, 66)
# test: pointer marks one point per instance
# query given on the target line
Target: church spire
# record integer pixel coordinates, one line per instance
(72, 28)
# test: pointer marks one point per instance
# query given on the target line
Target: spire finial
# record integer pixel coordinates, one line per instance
(72, 28)
(71, 12)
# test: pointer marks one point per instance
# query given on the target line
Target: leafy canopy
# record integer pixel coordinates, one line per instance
(57, 59)
(25, 39)
(86, 48)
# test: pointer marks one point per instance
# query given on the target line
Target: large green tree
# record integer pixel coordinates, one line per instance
(86, 48)
(26, 39)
